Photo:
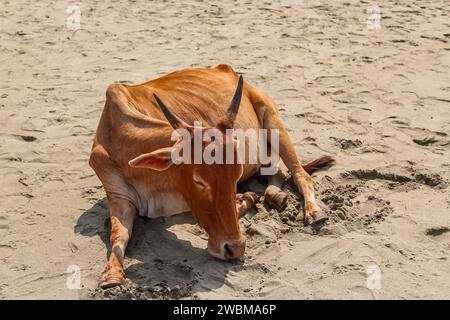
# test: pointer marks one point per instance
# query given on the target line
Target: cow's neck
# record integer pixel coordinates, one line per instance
(161, 196)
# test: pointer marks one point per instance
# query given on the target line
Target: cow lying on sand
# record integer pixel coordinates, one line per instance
(132, 151)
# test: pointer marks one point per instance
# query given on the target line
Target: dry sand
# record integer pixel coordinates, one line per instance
(378, 100)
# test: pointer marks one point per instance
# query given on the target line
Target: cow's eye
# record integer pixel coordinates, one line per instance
(200, 184)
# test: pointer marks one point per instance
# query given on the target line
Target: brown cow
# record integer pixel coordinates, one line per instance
(131, 155)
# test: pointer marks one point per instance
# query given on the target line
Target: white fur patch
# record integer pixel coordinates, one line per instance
(163, 205)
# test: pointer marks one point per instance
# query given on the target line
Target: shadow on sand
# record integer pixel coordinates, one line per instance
(158, 264)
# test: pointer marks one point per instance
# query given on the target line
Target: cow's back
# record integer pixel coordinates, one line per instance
(196, 94)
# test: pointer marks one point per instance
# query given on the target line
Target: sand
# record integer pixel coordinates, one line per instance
(377, 100)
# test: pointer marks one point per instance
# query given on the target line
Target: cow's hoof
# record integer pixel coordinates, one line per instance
(251, 197)
(308, 220)
(319, 217)
(109, 281)
(277, 202)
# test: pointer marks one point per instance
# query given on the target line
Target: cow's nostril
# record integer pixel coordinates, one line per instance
(228, 251)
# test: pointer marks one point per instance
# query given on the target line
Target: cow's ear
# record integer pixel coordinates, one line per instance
(157, 160)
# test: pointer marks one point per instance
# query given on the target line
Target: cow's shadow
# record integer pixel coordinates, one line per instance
(156, 255)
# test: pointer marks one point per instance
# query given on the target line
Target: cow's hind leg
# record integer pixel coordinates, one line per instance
(122, 213)
(267, 112)
(313, 214)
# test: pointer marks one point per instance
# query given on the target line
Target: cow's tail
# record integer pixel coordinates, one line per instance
(317, 164)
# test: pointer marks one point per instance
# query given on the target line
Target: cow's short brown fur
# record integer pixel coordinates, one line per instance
(132, 124)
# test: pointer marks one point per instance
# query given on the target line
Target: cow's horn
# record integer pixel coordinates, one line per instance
(174, 121)
(236, 102)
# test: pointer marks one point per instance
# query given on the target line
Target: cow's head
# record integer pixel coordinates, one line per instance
(209, 189)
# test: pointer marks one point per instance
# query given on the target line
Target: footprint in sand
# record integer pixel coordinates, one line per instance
(437, 231)
(27, 138)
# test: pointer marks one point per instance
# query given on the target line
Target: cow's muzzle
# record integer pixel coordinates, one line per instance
(227, 250)
(234, 250)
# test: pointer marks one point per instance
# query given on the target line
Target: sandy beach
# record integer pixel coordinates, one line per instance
(375, 95)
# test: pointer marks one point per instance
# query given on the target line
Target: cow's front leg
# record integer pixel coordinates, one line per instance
(245, 201)
(122, 214)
